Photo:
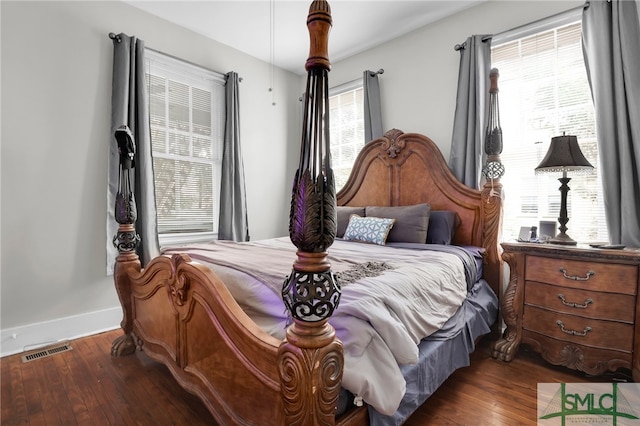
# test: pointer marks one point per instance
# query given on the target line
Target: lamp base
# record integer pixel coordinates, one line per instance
(563, 239)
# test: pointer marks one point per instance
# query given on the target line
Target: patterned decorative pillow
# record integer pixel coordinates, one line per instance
(368, 229)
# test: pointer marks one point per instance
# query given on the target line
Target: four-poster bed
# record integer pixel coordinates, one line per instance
(184, 308)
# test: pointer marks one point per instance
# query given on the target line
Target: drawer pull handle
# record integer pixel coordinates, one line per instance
(573, 332)
(574, 304)
(575, 278)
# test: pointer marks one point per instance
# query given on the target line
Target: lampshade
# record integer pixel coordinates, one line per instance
(564, 155)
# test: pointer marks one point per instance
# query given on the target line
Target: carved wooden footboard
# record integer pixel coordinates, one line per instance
(182, 315)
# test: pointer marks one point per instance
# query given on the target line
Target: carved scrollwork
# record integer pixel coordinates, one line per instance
(179, 289)
(509, 313)
(492, 213)
(571, 356)
(505, 348)
(492, 196)
(292, 387)
(331, 368)
(310, 383)
(179, 283)
(392, 145)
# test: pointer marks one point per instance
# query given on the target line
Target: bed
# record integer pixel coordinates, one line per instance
(214, 313)
(181, 313)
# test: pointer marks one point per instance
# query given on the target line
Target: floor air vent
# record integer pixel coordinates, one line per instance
(48, 351)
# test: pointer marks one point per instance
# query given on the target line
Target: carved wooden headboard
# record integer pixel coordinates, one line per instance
(402, 169)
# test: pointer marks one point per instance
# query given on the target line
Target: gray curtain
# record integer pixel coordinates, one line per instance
(129, 106)
(233, 224)
(372, 106)
(611, 37)
(472, 103)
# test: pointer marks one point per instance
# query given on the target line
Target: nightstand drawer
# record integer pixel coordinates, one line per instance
(585, 275)
(591, 304)
(583, 331)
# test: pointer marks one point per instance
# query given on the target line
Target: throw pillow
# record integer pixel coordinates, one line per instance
(411, 222)
(368, 229)
(442, 226)
(343, 215)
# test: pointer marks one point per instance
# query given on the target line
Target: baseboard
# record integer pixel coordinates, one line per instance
(32, 336)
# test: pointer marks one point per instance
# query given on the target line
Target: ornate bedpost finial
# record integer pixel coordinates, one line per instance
(319, 23)
(311, 292)
(493, 168)
(126, 240)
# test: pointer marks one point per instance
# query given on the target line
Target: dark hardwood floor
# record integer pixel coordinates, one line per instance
(86, 386)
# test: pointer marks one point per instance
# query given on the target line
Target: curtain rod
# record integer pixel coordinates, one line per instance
(116, 37)
(372, 73)
(489, 37)
(464, 44)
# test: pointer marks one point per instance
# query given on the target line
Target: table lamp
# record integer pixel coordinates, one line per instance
(564, 156)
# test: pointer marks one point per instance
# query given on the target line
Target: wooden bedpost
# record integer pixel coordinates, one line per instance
(126, 240)
(492, 195)
(310, 360)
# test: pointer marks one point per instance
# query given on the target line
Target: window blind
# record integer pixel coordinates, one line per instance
(347, 130)
(544, 92)
(186, 111)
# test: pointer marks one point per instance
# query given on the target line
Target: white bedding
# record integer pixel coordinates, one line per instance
(380, 320)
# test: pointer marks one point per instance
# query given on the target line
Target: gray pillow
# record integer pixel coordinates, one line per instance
(411, 222)
(442, 226)
(343, 214)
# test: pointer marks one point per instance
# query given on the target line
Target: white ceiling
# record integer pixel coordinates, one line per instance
(250, 25)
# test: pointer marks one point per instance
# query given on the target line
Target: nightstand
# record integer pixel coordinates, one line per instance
(577, 306)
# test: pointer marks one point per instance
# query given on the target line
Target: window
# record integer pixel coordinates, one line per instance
(186, 111)
(346, 104)
(544, 92)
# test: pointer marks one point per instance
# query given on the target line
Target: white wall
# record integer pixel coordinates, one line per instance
(419, 84)
(56, 88)
(56, 100)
